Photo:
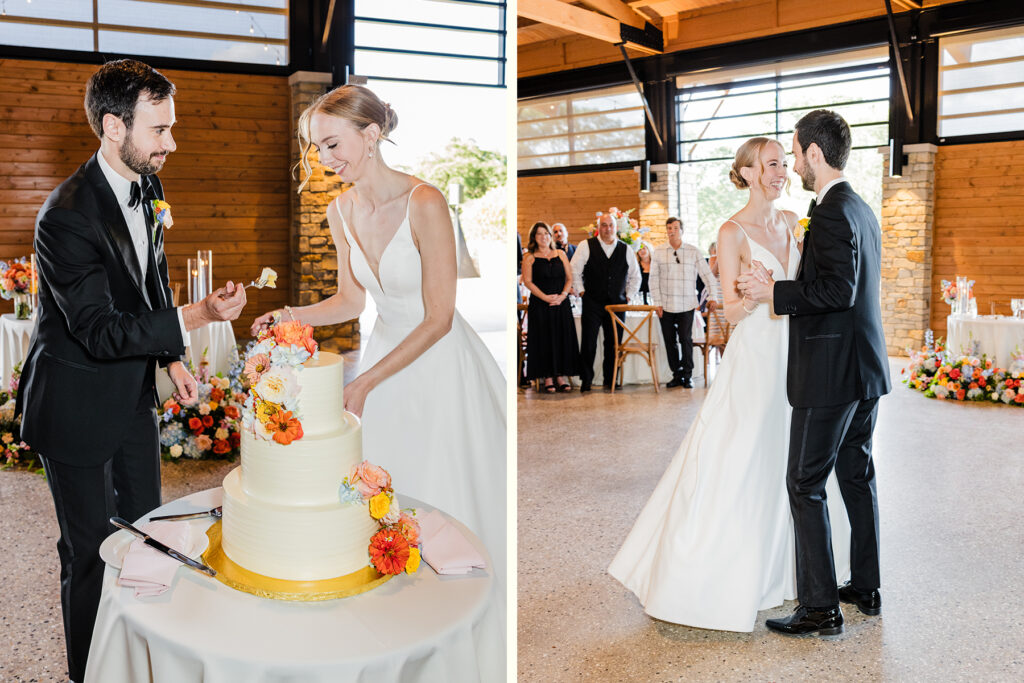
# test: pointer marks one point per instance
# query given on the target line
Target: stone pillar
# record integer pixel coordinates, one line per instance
(688, 213)
(908, 210)
(314, 259)
(662, 201)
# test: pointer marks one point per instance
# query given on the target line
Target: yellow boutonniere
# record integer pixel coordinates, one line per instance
(801, 228)
(162, 213)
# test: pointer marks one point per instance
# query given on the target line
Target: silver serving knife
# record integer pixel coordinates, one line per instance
(216, 513)
(166, 550)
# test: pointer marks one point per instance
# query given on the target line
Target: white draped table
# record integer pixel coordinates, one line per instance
(635, 370)
(997, 336)
(418, 628)
(218, 339)
(14, 338)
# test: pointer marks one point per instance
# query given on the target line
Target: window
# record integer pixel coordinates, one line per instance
(249, 31)
(716, 111)
(981, 83)
(457, 42)
(594, 127)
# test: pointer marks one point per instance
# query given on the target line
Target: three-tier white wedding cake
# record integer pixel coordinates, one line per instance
(283, 517)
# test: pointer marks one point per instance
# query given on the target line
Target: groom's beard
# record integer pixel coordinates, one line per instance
(807, 178)
(136, 160)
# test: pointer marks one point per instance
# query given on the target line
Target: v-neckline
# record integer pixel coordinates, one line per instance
(359, 245)
(789, 247)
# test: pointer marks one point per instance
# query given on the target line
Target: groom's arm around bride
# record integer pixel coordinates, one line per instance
(837, 370)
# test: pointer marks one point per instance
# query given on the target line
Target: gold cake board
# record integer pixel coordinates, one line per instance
(239, 578)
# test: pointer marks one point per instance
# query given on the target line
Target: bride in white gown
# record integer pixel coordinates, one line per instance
(431, 397)
(714, 543)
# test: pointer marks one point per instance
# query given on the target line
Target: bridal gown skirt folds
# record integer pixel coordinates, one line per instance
(714, 543)
(437, 425)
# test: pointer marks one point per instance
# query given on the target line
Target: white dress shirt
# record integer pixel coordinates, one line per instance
(582, 255)
(829, 186)
(674, 285)
(136, 220)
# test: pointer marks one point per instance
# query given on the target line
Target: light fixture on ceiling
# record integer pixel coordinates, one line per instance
(645, 176)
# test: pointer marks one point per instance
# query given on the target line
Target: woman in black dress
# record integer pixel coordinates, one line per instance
(643, 255)
(552, 350)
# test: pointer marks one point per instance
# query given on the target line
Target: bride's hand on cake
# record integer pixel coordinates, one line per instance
(186, 390)
(355, 394)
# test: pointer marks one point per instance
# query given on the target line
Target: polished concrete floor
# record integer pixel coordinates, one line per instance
(950, 480)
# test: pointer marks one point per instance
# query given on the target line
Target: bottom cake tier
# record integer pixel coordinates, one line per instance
(307, 543)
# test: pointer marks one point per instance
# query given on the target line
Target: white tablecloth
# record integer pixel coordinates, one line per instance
(14, 338)
(218, 338)
(421, 628)
(635, 370)
(997, 337)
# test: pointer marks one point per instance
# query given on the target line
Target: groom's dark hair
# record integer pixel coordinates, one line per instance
(830, 132)
(116, 87)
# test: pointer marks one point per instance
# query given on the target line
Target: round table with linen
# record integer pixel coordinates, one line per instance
(997, 336)
(418, 628)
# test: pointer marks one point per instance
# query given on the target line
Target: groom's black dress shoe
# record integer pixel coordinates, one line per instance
(805, 622)
(584, 387)
(869, 603)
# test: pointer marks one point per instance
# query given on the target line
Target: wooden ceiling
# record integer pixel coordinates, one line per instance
(542, 20)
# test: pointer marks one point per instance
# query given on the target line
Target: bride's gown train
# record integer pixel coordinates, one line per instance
(437, 425)
(714, 543)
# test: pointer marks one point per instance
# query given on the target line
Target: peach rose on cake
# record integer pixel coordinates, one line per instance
(294, 333)
(369, 479)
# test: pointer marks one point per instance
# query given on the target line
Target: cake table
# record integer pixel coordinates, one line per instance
(415, 628)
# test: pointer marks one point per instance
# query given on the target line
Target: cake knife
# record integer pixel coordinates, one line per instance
(166, 550)
(216, 513)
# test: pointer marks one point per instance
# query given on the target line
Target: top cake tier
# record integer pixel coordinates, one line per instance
(321, 394)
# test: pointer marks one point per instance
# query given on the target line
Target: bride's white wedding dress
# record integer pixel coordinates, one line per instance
(437, 425)
(714, 543)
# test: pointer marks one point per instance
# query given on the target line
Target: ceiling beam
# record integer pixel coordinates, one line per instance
(618, 10)
(571, 18)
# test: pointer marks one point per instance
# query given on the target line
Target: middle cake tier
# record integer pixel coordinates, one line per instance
(306, 472)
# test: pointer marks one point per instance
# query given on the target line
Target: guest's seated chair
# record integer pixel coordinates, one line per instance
(716, 334)
(638, 338)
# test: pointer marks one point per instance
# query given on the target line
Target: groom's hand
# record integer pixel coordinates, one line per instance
(186, 389)
(225, 303)
(757, 284)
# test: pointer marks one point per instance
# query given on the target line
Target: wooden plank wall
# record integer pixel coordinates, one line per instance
(227, 183)
(979, 224)
(724, 23)
(574, 199)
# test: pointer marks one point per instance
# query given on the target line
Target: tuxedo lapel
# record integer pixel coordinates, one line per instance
(113, 219)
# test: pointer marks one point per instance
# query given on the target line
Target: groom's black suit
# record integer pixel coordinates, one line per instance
(837, 371)
(86, 397)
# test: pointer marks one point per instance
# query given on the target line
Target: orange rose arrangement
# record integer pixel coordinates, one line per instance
(395, 547)
(271, 411)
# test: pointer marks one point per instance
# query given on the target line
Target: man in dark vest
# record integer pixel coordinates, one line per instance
(604, 271)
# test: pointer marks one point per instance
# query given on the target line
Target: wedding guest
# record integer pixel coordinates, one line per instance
(603, 273)
(674, 271)
(643, 256)
(552, 349)
(87, 399)
(561, 236)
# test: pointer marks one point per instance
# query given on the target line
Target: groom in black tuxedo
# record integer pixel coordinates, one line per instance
(105, 319)
(837, 371)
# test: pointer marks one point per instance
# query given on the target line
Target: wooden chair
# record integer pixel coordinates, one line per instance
(521, 310)
(175, 293)
(714, 335)
(633, 342)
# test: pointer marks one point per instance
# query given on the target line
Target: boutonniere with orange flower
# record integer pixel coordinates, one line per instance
(801, 229)
(161, 215)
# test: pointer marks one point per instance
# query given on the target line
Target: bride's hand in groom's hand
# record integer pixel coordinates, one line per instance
(761, 273)
(186, 390)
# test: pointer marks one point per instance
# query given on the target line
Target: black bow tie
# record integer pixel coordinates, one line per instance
(138, 193)
(810, 209)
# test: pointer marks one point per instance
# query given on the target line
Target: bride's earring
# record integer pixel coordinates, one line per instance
(370, 153)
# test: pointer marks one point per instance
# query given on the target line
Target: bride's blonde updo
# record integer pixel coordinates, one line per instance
(748, 156)
(356, 104)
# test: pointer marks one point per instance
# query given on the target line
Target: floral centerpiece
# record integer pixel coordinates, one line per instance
(13, 451)
(626, 229)
(395, 548)
(949, 291)
(209, 429)
(272, 366)
(17, 281)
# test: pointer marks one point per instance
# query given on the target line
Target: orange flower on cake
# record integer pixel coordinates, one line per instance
(369, 479)
(389, 551)
(294, 333)
(284, 427)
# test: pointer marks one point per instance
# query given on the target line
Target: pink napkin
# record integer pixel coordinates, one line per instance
(149, 571)
(445, 548)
